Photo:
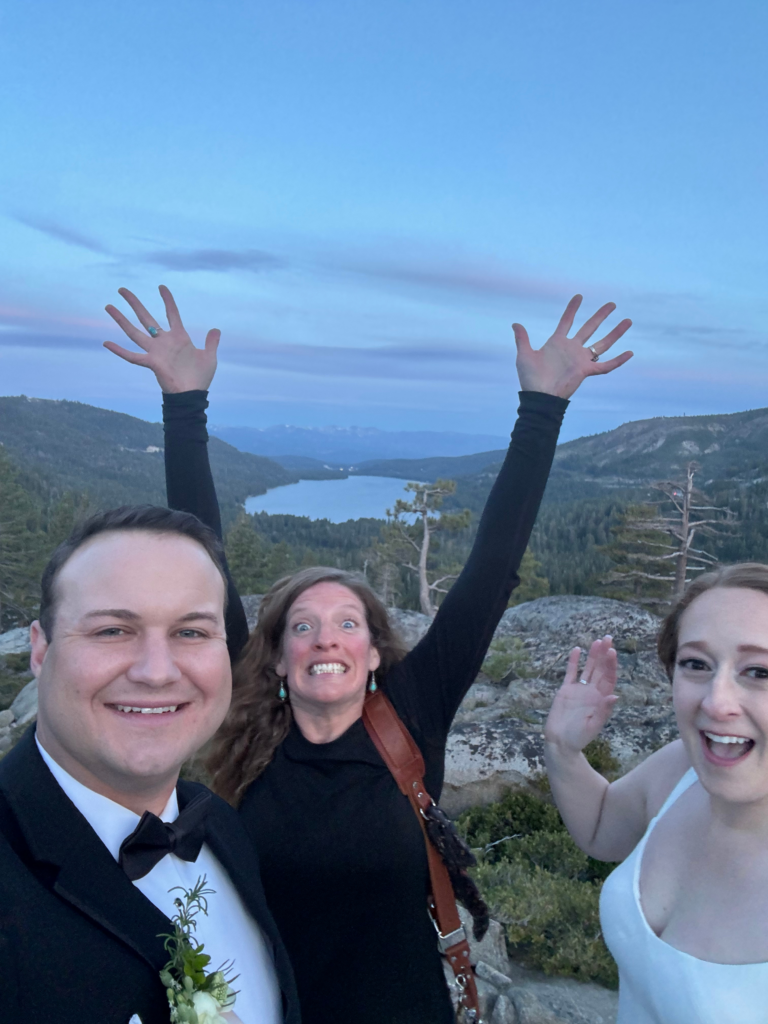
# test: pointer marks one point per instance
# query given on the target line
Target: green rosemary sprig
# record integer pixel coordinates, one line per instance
(194, 997)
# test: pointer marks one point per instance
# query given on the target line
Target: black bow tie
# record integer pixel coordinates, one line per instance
(152, 838)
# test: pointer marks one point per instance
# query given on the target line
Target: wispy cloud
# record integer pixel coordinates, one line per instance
(410, 361)
(45, 339)
(24, 318)
(730, 341)
(474, 278)
(217, 260)
(62, 233)
(404, 362)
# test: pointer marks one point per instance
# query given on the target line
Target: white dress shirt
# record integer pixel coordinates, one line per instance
(228, 931)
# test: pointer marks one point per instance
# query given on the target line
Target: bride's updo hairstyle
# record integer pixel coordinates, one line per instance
(744, 575)
(258, 721)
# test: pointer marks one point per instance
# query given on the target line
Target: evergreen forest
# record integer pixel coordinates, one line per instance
(60, 461)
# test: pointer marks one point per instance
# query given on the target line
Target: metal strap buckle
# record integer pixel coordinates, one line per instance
(445, 942)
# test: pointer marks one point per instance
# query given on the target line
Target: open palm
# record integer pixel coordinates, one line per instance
(170, 354)
(563, 363)
(584, 702)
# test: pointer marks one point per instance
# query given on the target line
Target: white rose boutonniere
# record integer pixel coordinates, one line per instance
(194, 997)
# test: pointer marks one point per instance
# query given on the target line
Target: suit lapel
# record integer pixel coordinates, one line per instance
(88, 877)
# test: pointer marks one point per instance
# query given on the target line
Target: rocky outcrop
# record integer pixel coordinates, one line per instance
(511, 994)
(24, 706)
(496, 740)
(15, 641)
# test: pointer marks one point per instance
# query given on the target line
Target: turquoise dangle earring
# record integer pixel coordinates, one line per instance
(372, 687)
(282, 693)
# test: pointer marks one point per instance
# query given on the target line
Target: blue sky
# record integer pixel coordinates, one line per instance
(364, 196)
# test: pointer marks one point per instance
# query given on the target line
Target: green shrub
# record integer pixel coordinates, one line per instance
(540, 884)
(17, 662)
(514, 814)
(555, 852)
(552, 922)
(599, 755)
(506, 655)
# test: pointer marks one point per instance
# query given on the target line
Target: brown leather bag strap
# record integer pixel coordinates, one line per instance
(402, 756)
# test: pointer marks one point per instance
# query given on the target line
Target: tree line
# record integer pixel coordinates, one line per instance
(628, 545)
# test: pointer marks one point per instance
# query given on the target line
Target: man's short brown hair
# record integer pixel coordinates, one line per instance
(146, 518)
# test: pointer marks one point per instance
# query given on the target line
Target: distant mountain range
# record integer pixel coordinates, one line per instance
(729, 448)
(342, 447)
(119, 458)
(404, 469)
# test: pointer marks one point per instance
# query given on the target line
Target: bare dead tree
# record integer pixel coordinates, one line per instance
(653, 544)
(694, 514)
(415, 537)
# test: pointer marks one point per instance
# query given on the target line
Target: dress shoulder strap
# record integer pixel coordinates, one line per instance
(685, 783)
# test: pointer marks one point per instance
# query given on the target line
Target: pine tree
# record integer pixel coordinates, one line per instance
(640, 550)
(255, 564)
(410, 543)
(20, 545)
(532, 585)
(69, 510)
(652, 545)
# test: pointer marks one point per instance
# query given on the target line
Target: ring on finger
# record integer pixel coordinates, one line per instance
(585, 681)
(153, 332)
(595, 353)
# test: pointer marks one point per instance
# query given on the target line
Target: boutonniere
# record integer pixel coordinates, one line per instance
(194, 996)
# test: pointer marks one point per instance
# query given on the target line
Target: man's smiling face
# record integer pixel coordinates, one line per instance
(136, 676)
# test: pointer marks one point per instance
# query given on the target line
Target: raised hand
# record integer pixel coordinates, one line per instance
(170, 354)
(584, 702)
(562, 363)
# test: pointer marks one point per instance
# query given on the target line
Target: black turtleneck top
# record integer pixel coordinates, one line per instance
(342, 856)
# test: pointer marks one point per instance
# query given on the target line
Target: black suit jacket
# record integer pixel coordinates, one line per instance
(78, 941)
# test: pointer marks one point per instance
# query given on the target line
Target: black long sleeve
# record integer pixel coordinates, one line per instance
(430, 683)
(190, 487)
(342, 856)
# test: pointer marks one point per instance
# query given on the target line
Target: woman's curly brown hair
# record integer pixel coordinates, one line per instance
(258, 721)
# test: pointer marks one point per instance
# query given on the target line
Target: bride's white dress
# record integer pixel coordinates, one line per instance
(659, 984)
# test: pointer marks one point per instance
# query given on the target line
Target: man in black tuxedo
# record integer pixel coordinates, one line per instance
(95, 827)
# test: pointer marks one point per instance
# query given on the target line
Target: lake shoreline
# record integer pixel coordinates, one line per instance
(339, 500)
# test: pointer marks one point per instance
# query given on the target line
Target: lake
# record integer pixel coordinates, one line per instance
(357, 497)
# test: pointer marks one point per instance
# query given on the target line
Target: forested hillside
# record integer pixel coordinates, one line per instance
(114, 458)
(63, 459)
(595, 478)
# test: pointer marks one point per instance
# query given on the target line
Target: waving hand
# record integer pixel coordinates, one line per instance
(562, 363)
(584, 702)
(170, 354)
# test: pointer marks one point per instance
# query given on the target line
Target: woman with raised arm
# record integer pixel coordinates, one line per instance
(343, 856)
(685, 914)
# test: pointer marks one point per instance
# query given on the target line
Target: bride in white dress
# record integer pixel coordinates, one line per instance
(686, 913)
